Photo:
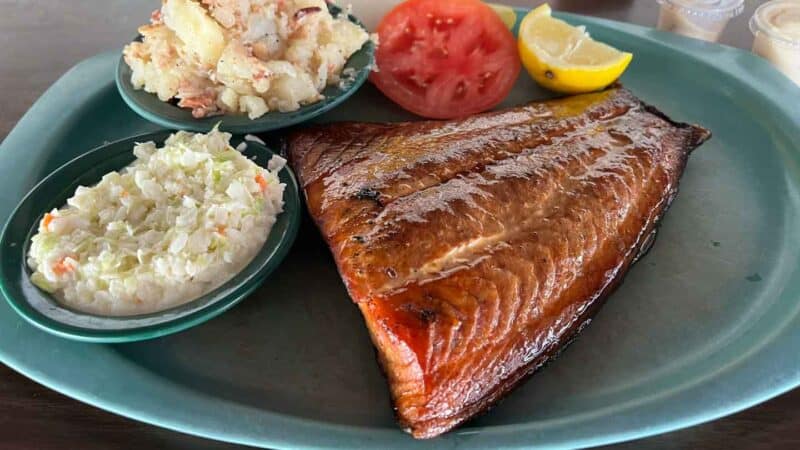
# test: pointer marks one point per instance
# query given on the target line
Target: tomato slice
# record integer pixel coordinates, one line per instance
(445, 58)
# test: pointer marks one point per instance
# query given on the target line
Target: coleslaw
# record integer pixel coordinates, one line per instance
(175, 224)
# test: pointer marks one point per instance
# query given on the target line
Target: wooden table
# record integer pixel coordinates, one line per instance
(41, 39)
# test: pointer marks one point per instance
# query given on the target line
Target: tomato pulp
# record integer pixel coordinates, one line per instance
(445, 58)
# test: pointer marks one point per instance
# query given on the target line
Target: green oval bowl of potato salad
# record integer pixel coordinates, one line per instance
(249, 66)
(148, 235)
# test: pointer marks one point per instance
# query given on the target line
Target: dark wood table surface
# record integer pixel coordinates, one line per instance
(41, 39)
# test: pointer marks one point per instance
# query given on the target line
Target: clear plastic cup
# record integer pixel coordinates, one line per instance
(776, 27)
(699, 19)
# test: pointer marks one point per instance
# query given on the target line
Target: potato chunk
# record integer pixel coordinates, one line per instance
(199, 32)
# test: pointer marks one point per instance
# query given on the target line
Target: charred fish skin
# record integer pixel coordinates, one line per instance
(477, 248)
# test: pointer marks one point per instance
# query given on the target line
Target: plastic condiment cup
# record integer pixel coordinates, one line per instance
(776, 27)
(699, 19)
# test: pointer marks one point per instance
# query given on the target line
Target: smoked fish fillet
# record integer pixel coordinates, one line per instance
(477, 248)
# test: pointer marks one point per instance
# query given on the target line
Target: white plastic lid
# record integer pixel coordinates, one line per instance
(780, 20)
(711, 9)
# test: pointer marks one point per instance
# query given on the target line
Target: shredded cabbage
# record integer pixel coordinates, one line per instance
(175, 224)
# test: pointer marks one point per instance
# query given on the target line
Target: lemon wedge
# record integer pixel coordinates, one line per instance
(506, 13)
(563, 58)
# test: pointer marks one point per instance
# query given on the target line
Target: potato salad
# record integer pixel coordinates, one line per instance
(242, 56)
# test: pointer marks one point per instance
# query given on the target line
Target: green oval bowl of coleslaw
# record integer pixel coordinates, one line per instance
(43, 310)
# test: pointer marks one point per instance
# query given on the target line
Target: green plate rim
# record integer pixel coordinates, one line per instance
(293, 432)
(142, 103)
(218, 300)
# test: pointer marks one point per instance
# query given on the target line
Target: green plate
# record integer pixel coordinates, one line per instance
(39, 307)
(168, 115)
(706, 324)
